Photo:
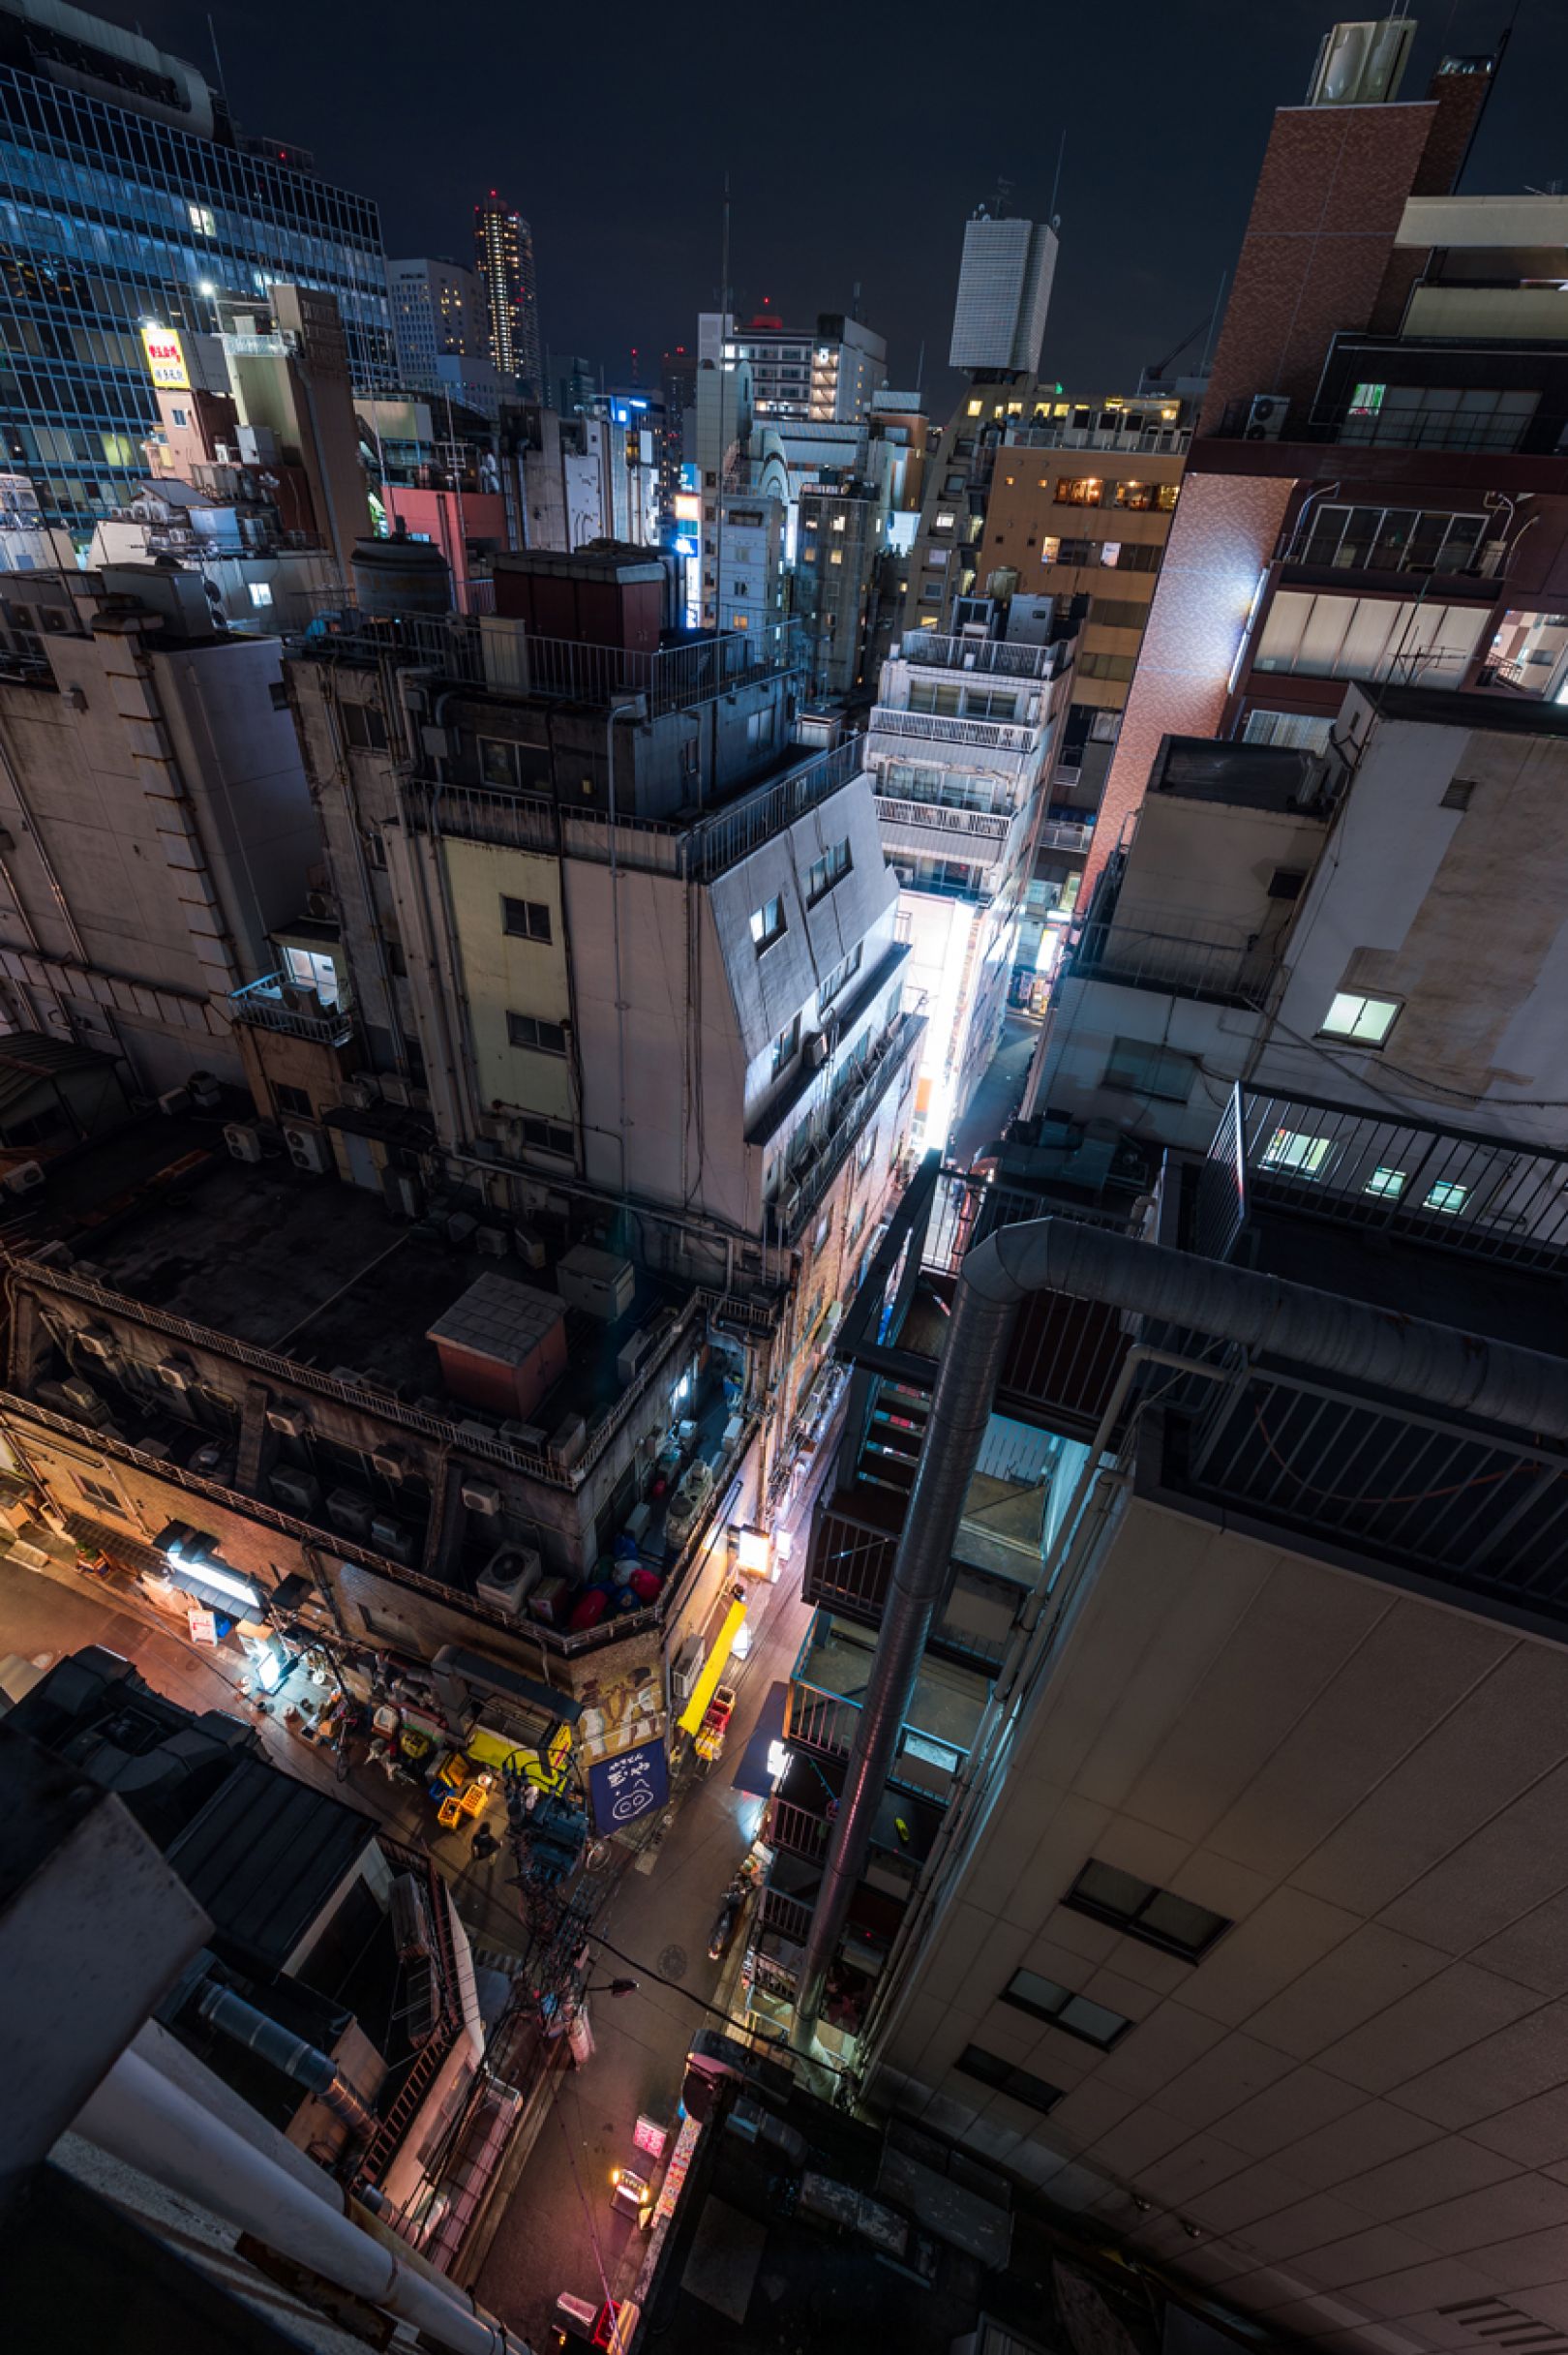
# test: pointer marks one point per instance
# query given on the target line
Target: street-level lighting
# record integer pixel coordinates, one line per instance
(205, 287)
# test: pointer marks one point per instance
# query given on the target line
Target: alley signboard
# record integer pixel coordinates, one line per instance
(622, 1789)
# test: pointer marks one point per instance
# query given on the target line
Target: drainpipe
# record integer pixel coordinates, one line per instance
(152, 2124)
(1437, 1364)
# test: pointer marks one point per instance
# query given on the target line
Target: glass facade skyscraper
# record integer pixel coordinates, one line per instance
(118, 209)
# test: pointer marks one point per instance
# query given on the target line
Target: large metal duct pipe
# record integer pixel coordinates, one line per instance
(308, 2066)
(144, 2118)
(1414, 1359)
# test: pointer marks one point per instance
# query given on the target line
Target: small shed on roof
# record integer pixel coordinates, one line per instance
(55, 1093)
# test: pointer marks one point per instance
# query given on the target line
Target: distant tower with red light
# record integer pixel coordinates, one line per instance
(503, 246)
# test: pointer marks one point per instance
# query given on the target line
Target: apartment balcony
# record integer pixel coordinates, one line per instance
(926, 830)
(1066, 833)
(941, 1722)
(988, 657)
(275, 1003)
(1160, 440)
(1201, 961)
(854, 1536)
(939, 728)
(825, 1143)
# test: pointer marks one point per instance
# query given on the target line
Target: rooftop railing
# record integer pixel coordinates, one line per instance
(1198, 961)
(935, 817)
(941, 728)
(499, 654)
(988, 656)
(1445, 1186)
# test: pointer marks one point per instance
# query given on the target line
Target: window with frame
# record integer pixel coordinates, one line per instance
(1293, 1151)
(1139, 1909)
(1146, 1069)
(1362, 1021)
(1079, 491)
(842, 974)
(1386, 1182)
(1447, 1196)
(1074, 2014)
(498, 762)
(99, 1492)
(768, 925)
(295, 1102)
(531, 1031)
(1118, 612)
(364, 728)
(786, 1045)
(549, 1136)
(835, 862)
(1140, 496)
(524, 919)
(989, 2068)
(990, 703)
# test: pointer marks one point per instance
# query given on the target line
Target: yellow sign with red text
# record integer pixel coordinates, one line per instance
(165, 359)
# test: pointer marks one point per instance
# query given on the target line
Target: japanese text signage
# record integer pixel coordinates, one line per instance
(165, 359)
(622, 1789)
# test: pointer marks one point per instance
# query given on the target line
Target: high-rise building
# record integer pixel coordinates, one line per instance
(503, 249)
(830, 376)
(1004, 292)
(139, 198)
(438, 313)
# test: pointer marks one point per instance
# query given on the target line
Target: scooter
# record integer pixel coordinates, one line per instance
(724, 1926)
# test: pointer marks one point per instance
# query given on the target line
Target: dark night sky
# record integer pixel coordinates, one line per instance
(856, 140)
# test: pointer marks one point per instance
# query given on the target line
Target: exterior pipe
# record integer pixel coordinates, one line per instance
(144, 2119)
(286, 2052)
(1436, 1364)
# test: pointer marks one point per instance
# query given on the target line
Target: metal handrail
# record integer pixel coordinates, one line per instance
(936, 649)
(942, 817)
(947, 728)
(261, 1004)
(805, 1187)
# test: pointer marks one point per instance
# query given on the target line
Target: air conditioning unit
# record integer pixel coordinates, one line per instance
(528, 1247)
(569, 1439)
(508, 1579)
(24, 1178)
(31, 1557)
(391, 1461)
(296, 1490)
(206, 1091)
(348, 1511)
(390, 1536)
(481, 1496)
(307, 1147)
(395, 1091)
(357, 1094)
(819, 1046)
(175, 1373)
(684, 1670)
(288, 1417)
(95, 1340)
(528, 1436)
(79, 1393)
(640, 1345)
(489, 1242)
(1266, 415)
(242, 1138)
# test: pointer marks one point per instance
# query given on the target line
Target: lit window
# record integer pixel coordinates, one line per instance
(835, 555)
(784, 1046)
(1366, 1020)
(1447, 1197)
(838, 523)
(976, 409)
(201, 220)
(768, 925)
(942, 522)
(261, 593)
(1306, 1155)
(1050, 550)
(1079, 491)
(1386, 1182)
(1366, 400)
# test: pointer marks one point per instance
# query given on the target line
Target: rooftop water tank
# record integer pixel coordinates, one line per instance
(400, 576)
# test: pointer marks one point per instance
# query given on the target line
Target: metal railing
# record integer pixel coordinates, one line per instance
(499, 653)
(1453, 1189)
(945, 727)
(786, 1915)
(937, 817)
(695, 852)
(845, 1118)
(1066, 834)
(1222, 1186)
(1462, 1506)
(849, 1566)
(1150, 440)
(935, 650)
(1404, 429)
(1184, 964)
(265, 1005)
(797, 1830)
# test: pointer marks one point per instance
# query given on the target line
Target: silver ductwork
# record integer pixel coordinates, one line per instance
(1350, 1340)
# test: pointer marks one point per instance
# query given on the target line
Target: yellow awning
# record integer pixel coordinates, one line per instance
(696, 1709)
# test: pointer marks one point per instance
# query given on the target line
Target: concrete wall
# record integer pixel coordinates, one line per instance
(1353, 2113)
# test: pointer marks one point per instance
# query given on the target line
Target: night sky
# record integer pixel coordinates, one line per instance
(856, 140)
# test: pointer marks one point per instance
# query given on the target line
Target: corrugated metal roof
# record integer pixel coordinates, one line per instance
(266, 1854)
(27, 1056)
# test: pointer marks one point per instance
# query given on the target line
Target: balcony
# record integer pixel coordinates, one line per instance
(984, 829)
(275, 1003)
(854, 1536)
(940, 1724)
(938, 728)
(1203, 961)
(1066, 833)
(933, 649)
(824, 1144)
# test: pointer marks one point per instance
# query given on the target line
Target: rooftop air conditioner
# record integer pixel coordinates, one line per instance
(288, 1417)
(175, 1373)
(242, 1138)
(481, 1496)
(307, 1147)
(526, 1435)
(1266, 415)
(684, 1670)
(79, 1393)
(395, 1091)
(391, 1461)
(24, 1178)
(508, 1579)
(358, 1094)
(95, 1340)
(390, 1536)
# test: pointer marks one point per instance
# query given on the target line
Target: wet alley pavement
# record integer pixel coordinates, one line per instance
(1000, 1092)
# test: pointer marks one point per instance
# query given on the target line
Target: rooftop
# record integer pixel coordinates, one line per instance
(1247, 776)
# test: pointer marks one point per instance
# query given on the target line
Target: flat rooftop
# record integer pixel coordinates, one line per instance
(317, 1271)
(1247, 776)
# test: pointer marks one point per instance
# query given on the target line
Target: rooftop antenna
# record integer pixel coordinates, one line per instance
(1052, 215)
(1004, 198)
(212, 36)
(919, 367)
(854, 301)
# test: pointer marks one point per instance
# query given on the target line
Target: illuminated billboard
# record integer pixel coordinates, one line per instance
(165, 359)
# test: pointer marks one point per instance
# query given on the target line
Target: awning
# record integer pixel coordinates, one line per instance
(702, 1691)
